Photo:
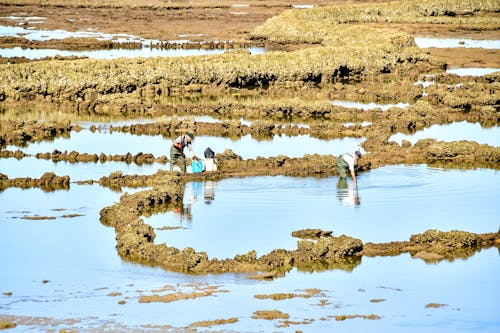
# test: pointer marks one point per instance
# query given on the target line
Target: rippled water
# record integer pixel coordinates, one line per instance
(454, 132)
(388, 204)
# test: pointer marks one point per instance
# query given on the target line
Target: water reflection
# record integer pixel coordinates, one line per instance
(90, 288)
(260, 213)
(348, 193)
(369, 106)
(472, 71)
(454, 132)
(247, 147)
(209, 191)
(144, 52)
(426, 42)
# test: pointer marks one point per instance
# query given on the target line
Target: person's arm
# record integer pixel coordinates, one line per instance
(190, 148)
(353, 175)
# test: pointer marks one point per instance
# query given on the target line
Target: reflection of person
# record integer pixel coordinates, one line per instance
(209, 161)
(348, 195)
(208, 191)
(345, 164)
(177, 150)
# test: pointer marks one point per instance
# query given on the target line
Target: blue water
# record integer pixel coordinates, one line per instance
(387, 204)
(86, 141)
(77, 257)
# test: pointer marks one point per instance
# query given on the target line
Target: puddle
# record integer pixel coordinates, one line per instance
(369, 106)
(472, 71)
(45, 35)
(303, 6)
(427, 42)
(454, 132)
(235, 212)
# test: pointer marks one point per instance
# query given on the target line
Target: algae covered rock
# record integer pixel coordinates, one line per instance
(451, 239)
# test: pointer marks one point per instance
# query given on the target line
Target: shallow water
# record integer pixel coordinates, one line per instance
(426, 42)
(45, 35)
(77, 258)
(144, 52)
(472, 71)
(454, 132)
(369, 106)
(388, 204)
(121, 143)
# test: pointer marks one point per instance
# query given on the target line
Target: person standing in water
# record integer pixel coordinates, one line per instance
(177, 150)
(345, 164)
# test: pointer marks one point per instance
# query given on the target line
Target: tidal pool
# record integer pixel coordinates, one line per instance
(454, 132)
(472, 71)
(369, 106)
(144, 52)
(387, 204)
(426, 42)
(65, 273)
(89, 142)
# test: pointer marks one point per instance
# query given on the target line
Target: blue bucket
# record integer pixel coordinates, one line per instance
(197, 166)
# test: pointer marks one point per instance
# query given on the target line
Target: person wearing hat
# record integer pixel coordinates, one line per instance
(346, 162)
(177, 150)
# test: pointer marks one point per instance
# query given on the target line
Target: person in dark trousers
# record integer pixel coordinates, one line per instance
(177, 150)
(345, 164)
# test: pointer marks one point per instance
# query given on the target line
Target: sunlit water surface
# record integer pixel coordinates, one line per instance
(122, 143)
(85, 279)
(388, 204)
(426, 42)
(454, 132)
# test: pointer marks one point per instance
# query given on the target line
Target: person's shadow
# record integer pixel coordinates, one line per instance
(348, 193)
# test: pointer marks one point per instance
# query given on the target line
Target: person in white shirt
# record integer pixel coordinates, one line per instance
(346, 162)
(209, 163)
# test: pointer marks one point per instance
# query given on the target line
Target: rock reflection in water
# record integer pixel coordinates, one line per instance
(454, 132)
(269, 209)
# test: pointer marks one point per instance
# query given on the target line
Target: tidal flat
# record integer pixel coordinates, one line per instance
(97, 234)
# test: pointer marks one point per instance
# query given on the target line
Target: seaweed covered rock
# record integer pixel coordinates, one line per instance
(452, 239)
(327, 248)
